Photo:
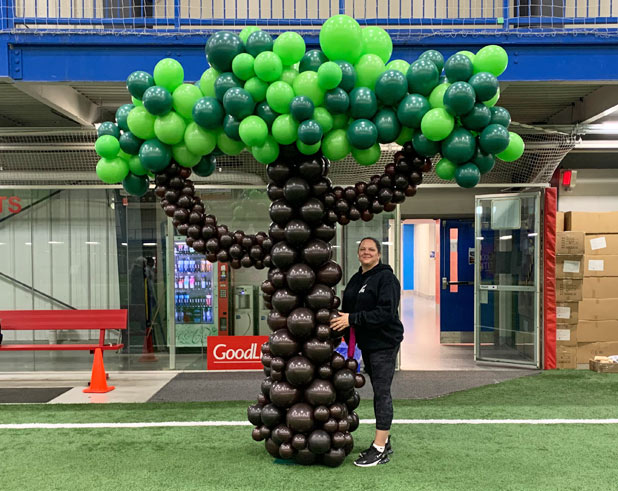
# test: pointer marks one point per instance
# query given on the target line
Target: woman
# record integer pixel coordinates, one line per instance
(371, 308)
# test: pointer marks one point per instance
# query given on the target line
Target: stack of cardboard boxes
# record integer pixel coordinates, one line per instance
(586, 287)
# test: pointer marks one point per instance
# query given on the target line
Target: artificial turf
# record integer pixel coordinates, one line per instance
(433, 457)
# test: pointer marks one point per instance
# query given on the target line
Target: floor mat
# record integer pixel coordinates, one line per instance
(21, 395)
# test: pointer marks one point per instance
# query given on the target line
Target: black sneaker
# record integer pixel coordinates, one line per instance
(372, 458)
(388, 449)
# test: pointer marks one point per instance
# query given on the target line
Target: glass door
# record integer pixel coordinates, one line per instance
(507, 279)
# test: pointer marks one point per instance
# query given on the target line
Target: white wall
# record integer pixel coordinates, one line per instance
(595, 190)
(424, 263)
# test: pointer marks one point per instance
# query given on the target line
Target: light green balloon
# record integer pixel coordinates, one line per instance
(229, 146)
(324, 119)
(308, 149)
(285, 129)
(340, 121)
(184, 98)
(141, 123)
(445, 169)
(437, 124)
(514, 150)
(242, 66)
(168, 73)
(207, 82)
(253, 131)
(136, 102)
(184, 156)
(341, 39)
(266, 153)
(198, 140)
(257, 88)
(124, 155)
(268, 66)
(469, 54)
(494, 100)
(329, 75)
(170, 129)
(107, 146)
(288, 75)
(436, 98)
(377, 41)
(136, 167)
(112, 171)
(307, 84)
(368, 69)
(290, 47)
(400, 65)
(492, 59)
(369, 156)
(246, 32)
(335, 145)
(279, 95)
(405, 136)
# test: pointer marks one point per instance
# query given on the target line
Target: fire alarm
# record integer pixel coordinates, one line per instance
(568, 179)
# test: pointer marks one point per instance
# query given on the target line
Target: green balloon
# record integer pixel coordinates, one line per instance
(329, 75)
(107, 146)
(458, 67)
(279, 96)
(136, 101)
(477, 119)
(308, 149)
(266, 153)
(335, 145)
(138, 82)
(434, 56)
(122, 113)
(459, 98)
(264, 111)
(184, 156)
(400, 65)
(348, 75)
(312, 60)
(231, 127)
(124, 155)
(285, 129)
(368, 70)
(499, 115)
(207, 82)
(208, 113)
(405, 135)
(206, 166)
(423, 146)
(242, 66)
(485, 85)
(141, 123)
(229, 146)
(445, 169)
(363, 103)
(340, 121)
(112, 171)
(268, 66)
(258, 42)
(170, 129)
(307, 84)
(437, 124)
(290, 47)
(337, 101)
(362, 134)
(459, 146)
(301, 108)
(253, 131)
(244, 35)
(469, 54)
(514, 150)
(129, 143)
(412, 109)
(494, 139)
(492, 59)
(257, 88)
(492, 102)
(108, 128)
(422, 77)
(168, 73)
(391, 87)
(184, 98)
(154, 155)
(224, 82)
(484, 161)
(388, 125)
(238, 102)
(158, 100)
(467, 175)
(377, 41)
(436, 98)
(309, 132)
(368, 156)
(198, 140)
(136, 185)
(341, 39)
(221, 48)
(289, 75)
(324, 119)
(136, 167)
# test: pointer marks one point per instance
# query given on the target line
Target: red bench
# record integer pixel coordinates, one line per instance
(67, 320)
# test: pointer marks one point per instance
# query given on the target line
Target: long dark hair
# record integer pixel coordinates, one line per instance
(375, 241)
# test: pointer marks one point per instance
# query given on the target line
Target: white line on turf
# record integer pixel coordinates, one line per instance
(169, 424)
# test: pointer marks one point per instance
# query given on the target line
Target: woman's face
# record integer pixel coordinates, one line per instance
(368, 254)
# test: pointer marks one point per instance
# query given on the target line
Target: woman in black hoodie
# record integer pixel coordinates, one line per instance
(371, 308)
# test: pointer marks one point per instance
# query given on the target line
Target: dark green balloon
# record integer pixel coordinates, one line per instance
(459, 146)
(434, 56)
(238, 102)
(206, 166)
(459, 98)
(312, 60)
(422, 77)
(423, 146)
(348, 81)
(309, 132)
(458, 68)
(108, 128)
(138, 82)
(155, 155)
(467, 175)
(478, 118)
(485, 85)
(494, 139)
(230, 127)
(412, 109)
(259, 41)
(121, 116)
(484, 161)
(499, 115)
(301, 108)
(363, 103)
(264, 111)
(224, 82)
(337, 101)
(388, 125)
(130, 143)
(221, 48)
(135, 185)
(391, 87)
(362, 134)
(208, 113)
(157, 100)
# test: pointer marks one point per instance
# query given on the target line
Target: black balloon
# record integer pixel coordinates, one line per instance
(280, 212)
(300, 418)
(297, 232)
(296, 190)
(254, 414)
(283, 344)
(324, 232)
(343, 380)
(283, 255)
(278, 172)
(320, 393)
(283, 394)
(272, 448)
(299, 441)
(301, 322)
(276, 321)
(318, 442)
(299, 371)
(312, 211)
(329, 274)
(271, 417)
(300, 278)
(319, 297)
(281, 434)
(284, 301)
(305, 457)
(316, 253)
(311, 170)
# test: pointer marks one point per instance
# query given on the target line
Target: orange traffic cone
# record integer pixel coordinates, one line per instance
(98, 384)
(148, 348)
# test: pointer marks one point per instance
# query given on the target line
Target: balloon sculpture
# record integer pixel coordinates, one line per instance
(295, 111)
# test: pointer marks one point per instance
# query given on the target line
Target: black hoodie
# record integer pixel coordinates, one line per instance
(372, 300)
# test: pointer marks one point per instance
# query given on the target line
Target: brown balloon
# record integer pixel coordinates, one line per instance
(272, 448)
(317, 351)
(359, 380)
(283, 344)
(299, 371)
(299, 441)
(283, 394)
(331, 425)
(300, 418)
(300, 278)
(319, 442)
(319, 297)
(284, 301)
(301, 322)
(320, 392)
(283, 255)
(276, 321)
(271, 416)
(316, 253)
(281, 434)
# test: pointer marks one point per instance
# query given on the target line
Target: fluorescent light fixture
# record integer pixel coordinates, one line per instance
(387, 243)
(54, 242)
(479, 210)
(124, 244)
(149, 244)
(92, 243)
(533, 234)
(506, 237)
(28, 243)
(2, 243)
(480, 238)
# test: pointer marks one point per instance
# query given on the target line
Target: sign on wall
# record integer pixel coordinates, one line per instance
(12, 204)
(235, 352)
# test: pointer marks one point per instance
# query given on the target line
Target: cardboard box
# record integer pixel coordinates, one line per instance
(600, 367)
(566, 357)
(587, 351)
(596, 331)
(569, 267)
(567, 312)
(601, 265)
(605, 244)
(570, 243)
(569, 290)
(591, 222)
(597, 309)
(603, 287)
(559, 221)
(566, 335)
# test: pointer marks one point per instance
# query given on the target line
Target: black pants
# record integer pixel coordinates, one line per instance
(380, 366)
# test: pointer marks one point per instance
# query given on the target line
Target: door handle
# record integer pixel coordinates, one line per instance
(446, 283)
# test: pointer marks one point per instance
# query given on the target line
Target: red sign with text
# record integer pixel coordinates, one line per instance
(235, 352)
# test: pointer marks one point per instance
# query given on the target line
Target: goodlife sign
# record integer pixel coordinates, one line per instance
(235, 352)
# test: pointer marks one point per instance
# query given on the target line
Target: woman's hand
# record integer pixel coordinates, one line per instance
(341, 322)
